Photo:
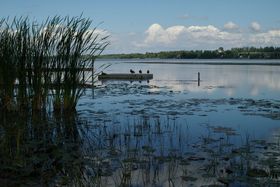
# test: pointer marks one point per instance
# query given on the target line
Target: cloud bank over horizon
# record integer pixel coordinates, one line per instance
(194, 37)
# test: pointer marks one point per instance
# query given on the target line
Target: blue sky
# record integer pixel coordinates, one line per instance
(155, 25)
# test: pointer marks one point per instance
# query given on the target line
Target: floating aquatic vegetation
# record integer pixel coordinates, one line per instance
(226, 130)
(199, 107)
(188, 178)
(85, 155)
(134, 143)
(257, 173)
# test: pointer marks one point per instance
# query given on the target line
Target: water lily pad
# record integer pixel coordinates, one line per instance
(184, 162)
(196, 158)
(188, 178)
(163, 158)
(226, 130)
(130, 160)
(148, 149)
(225, 181)
(257, 173)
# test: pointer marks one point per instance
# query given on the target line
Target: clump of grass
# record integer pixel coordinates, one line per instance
(75, 41)
(47, 58)
(23, 57)
(7, 66)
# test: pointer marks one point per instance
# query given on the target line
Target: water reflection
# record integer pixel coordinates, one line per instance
(39, 149)
(160, 133)
(244, 81)
(130, 150)
(228, 81)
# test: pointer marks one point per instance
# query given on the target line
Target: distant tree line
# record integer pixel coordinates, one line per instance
(234, 53)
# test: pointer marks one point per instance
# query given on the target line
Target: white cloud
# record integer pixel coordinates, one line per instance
(125, 43)
(255, 26)
(271, 37)
(193, 35)
(208, 32)
(98, 32)
(157, 34)
(230, 26)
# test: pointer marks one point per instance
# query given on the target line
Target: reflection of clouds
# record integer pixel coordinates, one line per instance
(154, 90)
(275, 135)
(230, 92)
(270, 81)
(254, 91)
(230, 79)
(208, 86)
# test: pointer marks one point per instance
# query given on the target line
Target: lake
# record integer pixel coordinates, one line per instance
(217, 81)
(237, 96)
(234, 105)
(169, 131)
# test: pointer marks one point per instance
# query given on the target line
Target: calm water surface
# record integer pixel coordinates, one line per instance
(217, 81)
(170, 131)
(174, 88)
(231, 119)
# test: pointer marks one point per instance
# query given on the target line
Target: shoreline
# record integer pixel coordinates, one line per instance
(208, 63)
(264, 62)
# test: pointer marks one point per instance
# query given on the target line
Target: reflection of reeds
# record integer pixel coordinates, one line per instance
(45, 58)
(68, 151)
(38, 149)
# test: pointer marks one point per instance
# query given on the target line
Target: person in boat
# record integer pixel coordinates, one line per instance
(148, 71)
(131, 71)
(140, 71)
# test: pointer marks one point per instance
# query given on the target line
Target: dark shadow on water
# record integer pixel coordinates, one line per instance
(39, 150)
(67, 150)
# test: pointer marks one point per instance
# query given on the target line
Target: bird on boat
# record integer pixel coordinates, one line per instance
(131, 71)
(148, 71)
(140, 71)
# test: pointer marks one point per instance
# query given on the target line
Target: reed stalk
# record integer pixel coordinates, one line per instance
(7, 67)
(47, 58)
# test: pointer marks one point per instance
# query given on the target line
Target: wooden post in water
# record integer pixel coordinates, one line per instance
(198, 79)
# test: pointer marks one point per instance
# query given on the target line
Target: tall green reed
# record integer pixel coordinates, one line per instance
(47, 58)
(75, 43)
(7, 66)
(23, 58)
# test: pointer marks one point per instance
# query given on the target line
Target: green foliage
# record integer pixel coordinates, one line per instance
(46, 58)
(234, 53)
